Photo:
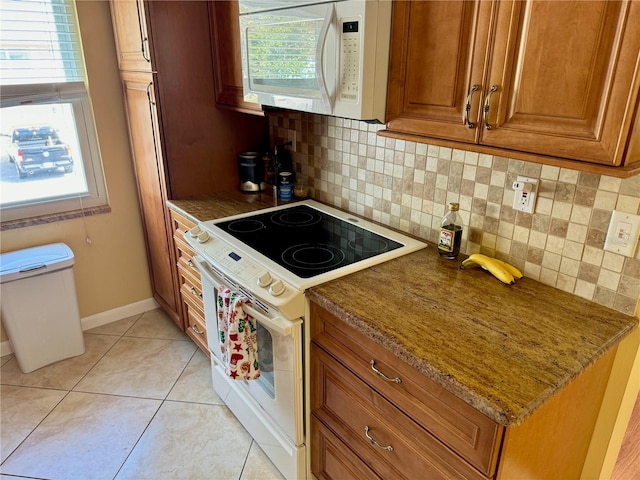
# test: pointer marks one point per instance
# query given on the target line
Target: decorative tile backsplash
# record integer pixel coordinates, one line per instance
(408, 185)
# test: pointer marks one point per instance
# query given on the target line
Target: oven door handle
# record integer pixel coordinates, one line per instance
(281, 326)
(276, 324)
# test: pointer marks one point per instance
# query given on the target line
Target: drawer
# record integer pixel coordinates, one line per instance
(332, 459)
(184, 257)
(191, 289)
(352, 410)
(468, 432)
(180, 223)
(195, 326)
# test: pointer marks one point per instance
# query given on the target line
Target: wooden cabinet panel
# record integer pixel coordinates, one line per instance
(351, 409)
(195, 326)
(434, 66)
(130, 32)
(563, 72)
(334, 459)
(471, 434)
(149, 168)
(225, 31)
(557, 82)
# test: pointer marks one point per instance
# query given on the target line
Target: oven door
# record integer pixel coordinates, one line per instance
(279, 388)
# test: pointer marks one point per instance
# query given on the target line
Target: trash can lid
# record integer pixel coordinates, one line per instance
(33, 261)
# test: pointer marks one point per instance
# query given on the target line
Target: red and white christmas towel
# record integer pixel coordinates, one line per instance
(238, 338)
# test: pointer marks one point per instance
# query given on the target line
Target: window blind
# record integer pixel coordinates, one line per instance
(39, 43)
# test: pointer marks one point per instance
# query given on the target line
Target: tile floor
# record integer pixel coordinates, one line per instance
(137, 405)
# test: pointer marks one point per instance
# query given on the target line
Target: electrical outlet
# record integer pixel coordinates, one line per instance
(623, 233)
(526, 193)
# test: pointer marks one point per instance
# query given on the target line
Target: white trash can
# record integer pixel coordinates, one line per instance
(39, 306)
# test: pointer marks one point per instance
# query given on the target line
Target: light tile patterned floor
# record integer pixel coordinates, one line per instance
(137, 405)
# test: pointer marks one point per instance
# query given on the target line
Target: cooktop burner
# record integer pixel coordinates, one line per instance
(306, 241)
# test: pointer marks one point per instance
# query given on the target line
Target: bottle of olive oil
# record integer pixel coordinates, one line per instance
(450, 233)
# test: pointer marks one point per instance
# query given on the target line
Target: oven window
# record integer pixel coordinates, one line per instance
(265, 355)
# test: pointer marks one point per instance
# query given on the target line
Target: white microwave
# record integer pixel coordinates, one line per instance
(330, 58)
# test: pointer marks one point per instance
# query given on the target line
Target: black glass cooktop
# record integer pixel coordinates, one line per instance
(306, 241)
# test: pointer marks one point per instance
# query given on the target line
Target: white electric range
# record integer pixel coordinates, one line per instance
(271, 257)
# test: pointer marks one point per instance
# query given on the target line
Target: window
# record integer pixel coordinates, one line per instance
(49, 158)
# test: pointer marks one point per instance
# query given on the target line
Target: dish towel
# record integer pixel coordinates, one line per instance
(238, 337)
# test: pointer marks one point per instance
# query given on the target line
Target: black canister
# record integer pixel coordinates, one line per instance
(249, 169)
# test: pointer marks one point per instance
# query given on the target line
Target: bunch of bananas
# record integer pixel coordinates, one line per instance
(503, 271)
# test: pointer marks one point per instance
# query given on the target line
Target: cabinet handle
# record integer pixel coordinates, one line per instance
(190, 263)
(142, 29)
(151, 102)
(195, 329)
(145, 41)
(382, 375)
(467, 107)
(388, 448)
(487, 101)
(195, 292)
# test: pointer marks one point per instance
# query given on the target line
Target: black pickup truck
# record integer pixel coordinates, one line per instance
(39, 150)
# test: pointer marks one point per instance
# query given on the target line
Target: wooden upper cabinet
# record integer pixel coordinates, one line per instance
(225, 32)
(132, 38)
(554, 79)
(438, 54)
(564, 77)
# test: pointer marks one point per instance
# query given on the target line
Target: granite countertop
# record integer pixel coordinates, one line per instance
(503, 349)
(219, 205)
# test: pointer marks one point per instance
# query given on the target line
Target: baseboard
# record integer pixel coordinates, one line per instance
(103, 318)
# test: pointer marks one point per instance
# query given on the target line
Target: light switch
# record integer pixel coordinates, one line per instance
(623, 233)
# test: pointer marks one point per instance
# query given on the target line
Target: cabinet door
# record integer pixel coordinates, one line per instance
(564, 78)
(130, 32)
(438, 52)
(225, 32)
(143, 135)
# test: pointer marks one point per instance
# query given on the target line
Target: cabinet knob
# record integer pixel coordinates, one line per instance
(195, 292)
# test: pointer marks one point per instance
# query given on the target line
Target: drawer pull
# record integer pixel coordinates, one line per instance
(388, 448)
(382, 375)
(195, 329)
(190, 263)
(195, 292)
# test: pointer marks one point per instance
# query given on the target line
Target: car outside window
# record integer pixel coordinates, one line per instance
(49, 157)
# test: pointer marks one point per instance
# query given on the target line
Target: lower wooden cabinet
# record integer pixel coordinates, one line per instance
(404, 426)
(190, 284)
(374, 416)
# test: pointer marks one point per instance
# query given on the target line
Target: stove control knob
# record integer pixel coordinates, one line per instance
(195, 231)
(203, 237)
(265, 280)
(277, 288)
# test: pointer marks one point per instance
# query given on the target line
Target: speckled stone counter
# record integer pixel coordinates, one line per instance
(503, 349)
(221, 205)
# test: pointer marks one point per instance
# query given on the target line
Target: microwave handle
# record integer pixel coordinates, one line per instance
(320, 52)
(277, 324)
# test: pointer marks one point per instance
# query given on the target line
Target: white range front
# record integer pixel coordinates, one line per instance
(272, 407)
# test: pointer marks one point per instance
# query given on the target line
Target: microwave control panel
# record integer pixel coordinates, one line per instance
(349, 61)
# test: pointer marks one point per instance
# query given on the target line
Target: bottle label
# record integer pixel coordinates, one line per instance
(447, 238)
